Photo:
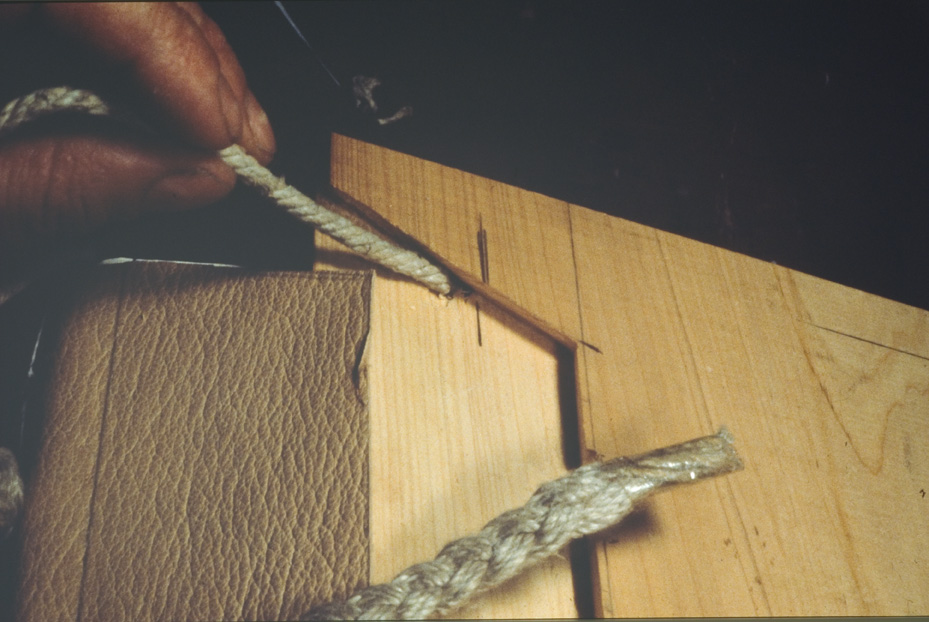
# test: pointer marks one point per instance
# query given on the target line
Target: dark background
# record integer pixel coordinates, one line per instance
(792, 131)
(795, 132)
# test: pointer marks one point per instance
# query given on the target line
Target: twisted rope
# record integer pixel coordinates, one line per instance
(584, 502)
(369, 245)
(46, 101)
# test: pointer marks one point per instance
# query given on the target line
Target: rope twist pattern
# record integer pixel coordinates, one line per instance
(584, 502)
(361, 241)
(366, 243)
(46, 101)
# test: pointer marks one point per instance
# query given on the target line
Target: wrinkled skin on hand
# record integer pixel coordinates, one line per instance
(176, 60)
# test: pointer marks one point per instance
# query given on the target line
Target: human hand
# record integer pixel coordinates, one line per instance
(178, 61)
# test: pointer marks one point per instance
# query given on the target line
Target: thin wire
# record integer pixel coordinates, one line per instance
(293, 25)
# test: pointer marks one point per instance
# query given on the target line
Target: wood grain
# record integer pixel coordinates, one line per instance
(465, 423)
(813, 526)
(826, 390)
(529, 254)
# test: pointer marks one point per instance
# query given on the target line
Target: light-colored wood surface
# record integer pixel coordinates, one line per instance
(827, 518)
(465, 423)
(826, 390)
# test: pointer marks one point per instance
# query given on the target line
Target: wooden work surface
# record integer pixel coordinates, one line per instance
(658, 339)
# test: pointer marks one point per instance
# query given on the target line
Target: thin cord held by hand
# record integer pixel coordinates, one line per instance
(369, 245)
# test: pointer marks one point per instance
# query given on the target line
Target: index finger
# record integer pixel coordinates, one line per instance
(180, 58)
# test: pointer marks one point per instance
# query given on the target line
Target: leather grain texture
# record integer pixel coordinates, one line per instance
(204, 449)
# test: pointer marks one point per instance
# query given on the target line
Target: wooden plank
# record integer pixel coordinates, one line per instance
(855, 313)
(825, 388)
(465, 423)
(642, 391)
(827, 517)
(529, 254)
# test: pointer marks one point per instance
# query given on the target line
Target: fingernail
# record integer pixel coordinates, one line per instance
(232, 110)
(260, 126)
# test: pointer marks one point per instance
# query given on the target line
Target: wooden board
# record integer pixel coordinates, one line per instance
(465, 419)
(826, 390)
(827, 518)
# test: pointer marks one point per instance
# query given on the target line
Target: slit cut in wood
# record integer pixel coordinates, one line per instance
(692, 337)
(465, 284)
(482, 251)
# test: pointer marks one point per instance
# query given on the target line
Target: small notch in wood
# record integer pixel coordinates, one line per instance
(480, 340)
(482, 250)
(485, 269)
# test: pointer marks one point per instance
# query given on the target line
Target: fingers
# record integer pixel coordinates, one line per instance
(67, 185)
(59, 185)
(182, 61)
(257, 128)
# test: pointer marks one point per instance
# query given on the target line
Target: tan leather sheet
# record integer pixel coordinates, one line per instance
(204, 453)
